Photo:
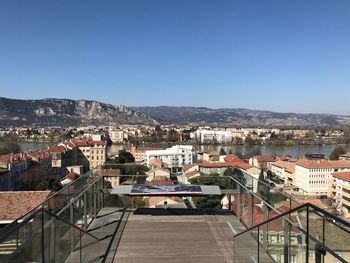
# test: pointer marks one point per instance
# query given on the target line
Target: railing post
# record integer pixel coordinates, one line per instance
(265, 234)
(71, 232)
(307, 234)
(52, 241)
(85, 210)
(250, 210)
(42, 236)
(94, 199)
(229, 202)
(239, 206)
(319, 253)
(258, 243)
(286, 241)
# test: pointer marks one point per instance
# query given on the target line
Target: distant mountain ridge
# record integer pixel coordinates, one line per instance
(65, 112)
(239, 117)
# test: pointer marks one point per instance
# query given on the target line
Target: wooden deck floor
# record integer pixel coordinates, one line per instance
(176, 238)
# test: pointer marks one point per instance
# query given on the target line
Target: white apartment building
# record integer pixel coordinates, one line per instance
(175, 157)
(204, 136)
(313, 177)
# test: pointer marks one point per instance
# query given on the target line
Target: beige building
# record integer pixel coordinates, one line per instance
(262, 161)
(93, 153)
(313, 177)
(285, 171)
(340, 192)
(117, 136)
(158, 174)
(111, 175)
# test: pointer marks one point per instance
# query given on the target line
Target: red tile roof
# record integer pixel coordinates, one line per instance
(232, 158)
(15, 204)
(290, 167)
(264, 158)
(323, 164)
(155, 161)
(57, 149)
(342, 175)
(110, 172)
(193, 173)
(187, 167)
(242, 165)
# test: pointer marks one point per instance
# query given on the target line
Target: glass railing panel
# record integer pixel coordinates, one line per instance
(89, 205)
(336, 237)
(58, 201)
(246, 199)
(296, 245)
(246, 247)
(275, 239)
(9, 248)
(91, 250)
(78, 212)
(30, 239)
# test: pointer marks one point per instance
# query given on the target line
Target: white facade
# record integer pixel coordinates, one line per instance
(315, 180)
(175, 157)
(204, 136)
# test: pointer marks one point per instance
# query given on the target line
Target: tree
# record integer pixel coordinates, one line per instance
(172, 136)
(222, 151)
(263, 187)
(211, 202)
(236, 174)
(339, 150)
(125, 157)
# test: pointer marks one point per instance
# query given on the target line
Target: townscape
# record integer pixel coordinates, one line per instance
(314, 178)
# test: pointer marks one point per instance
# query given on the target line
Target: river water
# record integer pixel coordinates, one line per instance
(295, 150)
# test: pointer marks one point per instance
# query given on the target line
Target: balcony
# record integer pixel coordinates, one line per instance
(86, 222)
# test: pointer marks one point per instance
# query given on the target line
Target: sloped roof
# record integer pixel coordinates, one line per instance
(15, 204)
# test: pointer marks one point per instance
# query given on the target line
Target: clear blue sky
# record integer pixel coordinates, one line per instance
(288, 56)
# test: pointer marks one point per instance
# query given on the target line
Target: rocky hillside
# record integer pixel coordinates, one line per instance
(64, 112)
(239, 117)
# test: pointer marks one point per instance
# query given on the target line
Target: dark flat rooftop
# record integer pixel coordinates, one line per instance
(156, 237)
